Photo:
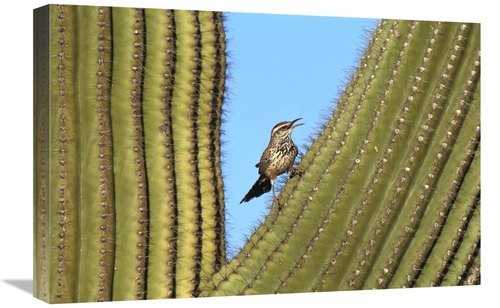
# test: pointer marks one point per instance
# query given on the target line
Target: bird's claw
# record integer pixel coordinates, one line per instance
(296, 170)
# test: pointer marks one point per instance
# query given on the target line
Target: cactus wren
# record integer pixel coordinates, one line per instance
(277, 159)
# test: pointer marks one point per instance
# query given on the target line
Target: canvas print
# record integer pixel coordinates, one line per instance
(134, 198)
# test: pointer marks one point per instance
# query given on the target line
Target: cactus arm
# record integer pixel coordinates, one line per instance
(41, 18)
(96, 210)
(129, 170)
(369, 193)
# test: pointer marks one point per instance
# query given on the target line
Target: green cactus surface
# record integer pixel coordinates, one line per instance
(122, 212)
(128, 186)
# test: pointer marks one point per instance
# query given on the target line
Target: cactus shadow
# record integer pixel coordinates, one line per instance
(22, 284)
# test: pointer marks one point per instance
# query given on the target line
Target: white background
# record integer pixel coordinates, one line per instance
(16, 150)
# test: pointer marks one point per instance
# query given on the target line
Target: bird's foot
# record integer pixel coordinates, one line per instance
(275, 201)
(296, 170)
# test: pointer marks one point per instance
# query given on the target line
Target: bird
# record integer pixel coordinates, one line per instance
(277, 158)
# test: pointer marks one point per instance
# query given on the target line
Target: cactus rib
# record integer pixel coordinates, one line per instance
(97, 210)
(41, 152)
(158, 81)
(129, 168)
(64, 192)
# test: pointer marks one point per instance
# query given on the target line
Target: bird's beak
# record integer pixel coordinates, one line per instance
(296, 124)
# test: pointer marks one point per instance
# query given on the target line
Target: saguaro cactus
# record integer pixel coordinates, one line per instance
(121, 211)
(390, 193)
(128, 200)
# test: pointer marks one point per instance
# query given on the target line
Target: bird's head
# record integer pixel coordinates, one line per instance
(284, 129)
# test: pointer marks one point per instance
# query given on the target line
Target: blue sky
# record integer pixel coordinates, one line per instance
(281, 67)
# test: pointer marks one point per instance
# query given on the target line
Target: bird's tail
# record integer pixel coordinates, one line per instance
(260, 187)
